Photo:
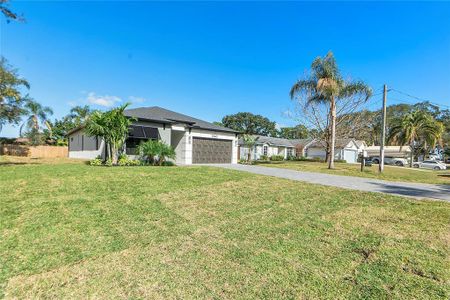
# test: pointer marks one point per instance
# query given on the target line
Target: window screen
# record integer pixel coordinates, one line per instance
(143, 132)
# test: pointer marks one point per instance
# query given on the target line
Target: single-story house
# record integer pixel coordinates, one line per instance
(345, 149)
(194, 140)
(270, 146)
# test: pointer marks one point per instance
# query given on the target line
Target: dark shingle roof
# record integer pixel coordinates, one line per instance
(162, 115)
(260, 139)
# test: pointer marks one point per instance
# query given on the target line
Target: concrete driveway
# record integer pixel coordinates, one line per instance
(415, 190)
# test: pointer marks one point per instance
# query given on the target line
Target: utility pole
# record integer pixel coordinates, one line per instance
(383, 131)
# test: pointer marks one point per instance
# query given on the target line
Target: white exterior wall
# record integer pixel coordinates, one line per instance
(349, 153)
(321, 153)
(258, 151)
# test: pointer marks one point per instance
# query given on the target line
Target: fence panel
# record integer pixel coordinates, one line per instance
(34, 151)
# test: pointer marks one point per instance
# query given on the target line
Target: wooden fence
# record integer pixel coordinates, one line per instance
(34, 151)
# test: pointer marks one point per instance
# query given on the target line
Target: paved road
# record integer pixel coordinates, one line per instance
(415, 190)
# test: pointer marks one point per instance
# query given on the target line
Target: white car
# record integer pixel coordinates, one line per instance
(395, 161)
(430, 164)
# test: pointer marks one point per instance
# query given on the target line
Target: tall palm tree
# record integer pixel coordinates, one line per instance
(326, 85)
(38, 115)
(416, 127)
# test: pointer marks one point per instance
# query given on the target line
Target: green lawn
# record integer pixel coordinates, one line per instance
(390, 173)
(69, 230)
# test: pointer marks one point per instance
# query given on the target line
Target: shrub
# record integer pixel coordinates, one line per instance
(135, 162)
(123, 162)
(168, 163)
(292, 157)
(156, 152)
(277, 158)
(246, 162)
(96, 162)
(109, 162)
(263, 157)
(340, 161)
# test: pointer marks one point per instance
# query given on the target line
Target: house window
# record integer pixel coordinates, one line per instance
(138, 134)
(265, 150)
(289, 152)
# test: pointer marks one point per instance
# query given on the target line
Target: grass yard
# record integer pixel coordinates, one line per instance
(69, 230)
(390, 173)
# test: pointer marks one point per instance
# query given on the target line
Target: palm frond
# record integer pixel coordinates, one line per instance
(302, 86)
(356, 88)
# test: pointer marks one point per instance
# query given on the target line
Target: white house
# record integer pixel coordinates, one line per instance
(270, 146)
(345, 149)
(195, 141)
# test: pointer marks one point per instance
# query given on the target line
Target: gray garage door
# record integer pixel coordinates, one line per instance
(209, 151)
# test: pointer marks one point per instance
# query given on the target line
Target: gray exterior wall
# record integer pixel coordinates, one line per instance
(179, 144)
(79, 141)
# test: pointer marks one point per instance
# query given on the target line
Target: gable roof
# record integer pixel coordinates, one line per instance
(274, 141)
(360, 143)
(162, 115)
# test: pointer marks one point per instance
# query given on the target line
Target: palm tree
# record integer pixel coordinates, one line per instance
(249, 141)
(79, 114)
(38, 116)
(112, 126)
(326, 85)
(416, 127)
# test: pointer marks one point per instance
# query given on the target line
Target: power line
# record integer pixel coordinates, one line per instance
(417, 98)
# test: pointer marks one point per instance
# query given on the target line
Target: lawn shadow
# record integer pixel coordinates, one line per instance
(439, 191)
(11, 163)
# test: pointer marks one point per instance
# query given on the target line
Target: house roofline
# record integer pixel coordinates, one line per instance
(190, 125)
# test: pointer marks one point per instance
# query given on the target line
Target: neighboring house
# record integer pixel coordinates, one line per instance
(301, 145)
(345, 149)
(270, 146)
(361, 145)
(194, 140)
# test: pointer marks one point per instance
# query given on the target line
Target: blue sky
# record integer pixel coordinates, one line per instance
(209, 59)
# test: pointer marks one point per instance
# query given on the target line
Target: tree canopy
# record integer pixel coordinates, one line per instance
(297, 132)
(12, 97)
(8, 13)
(248, 123)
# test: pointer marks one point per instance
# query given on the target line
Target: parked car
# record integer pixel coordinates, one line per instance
(368, 162)
(396, 161)
(430, 164)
